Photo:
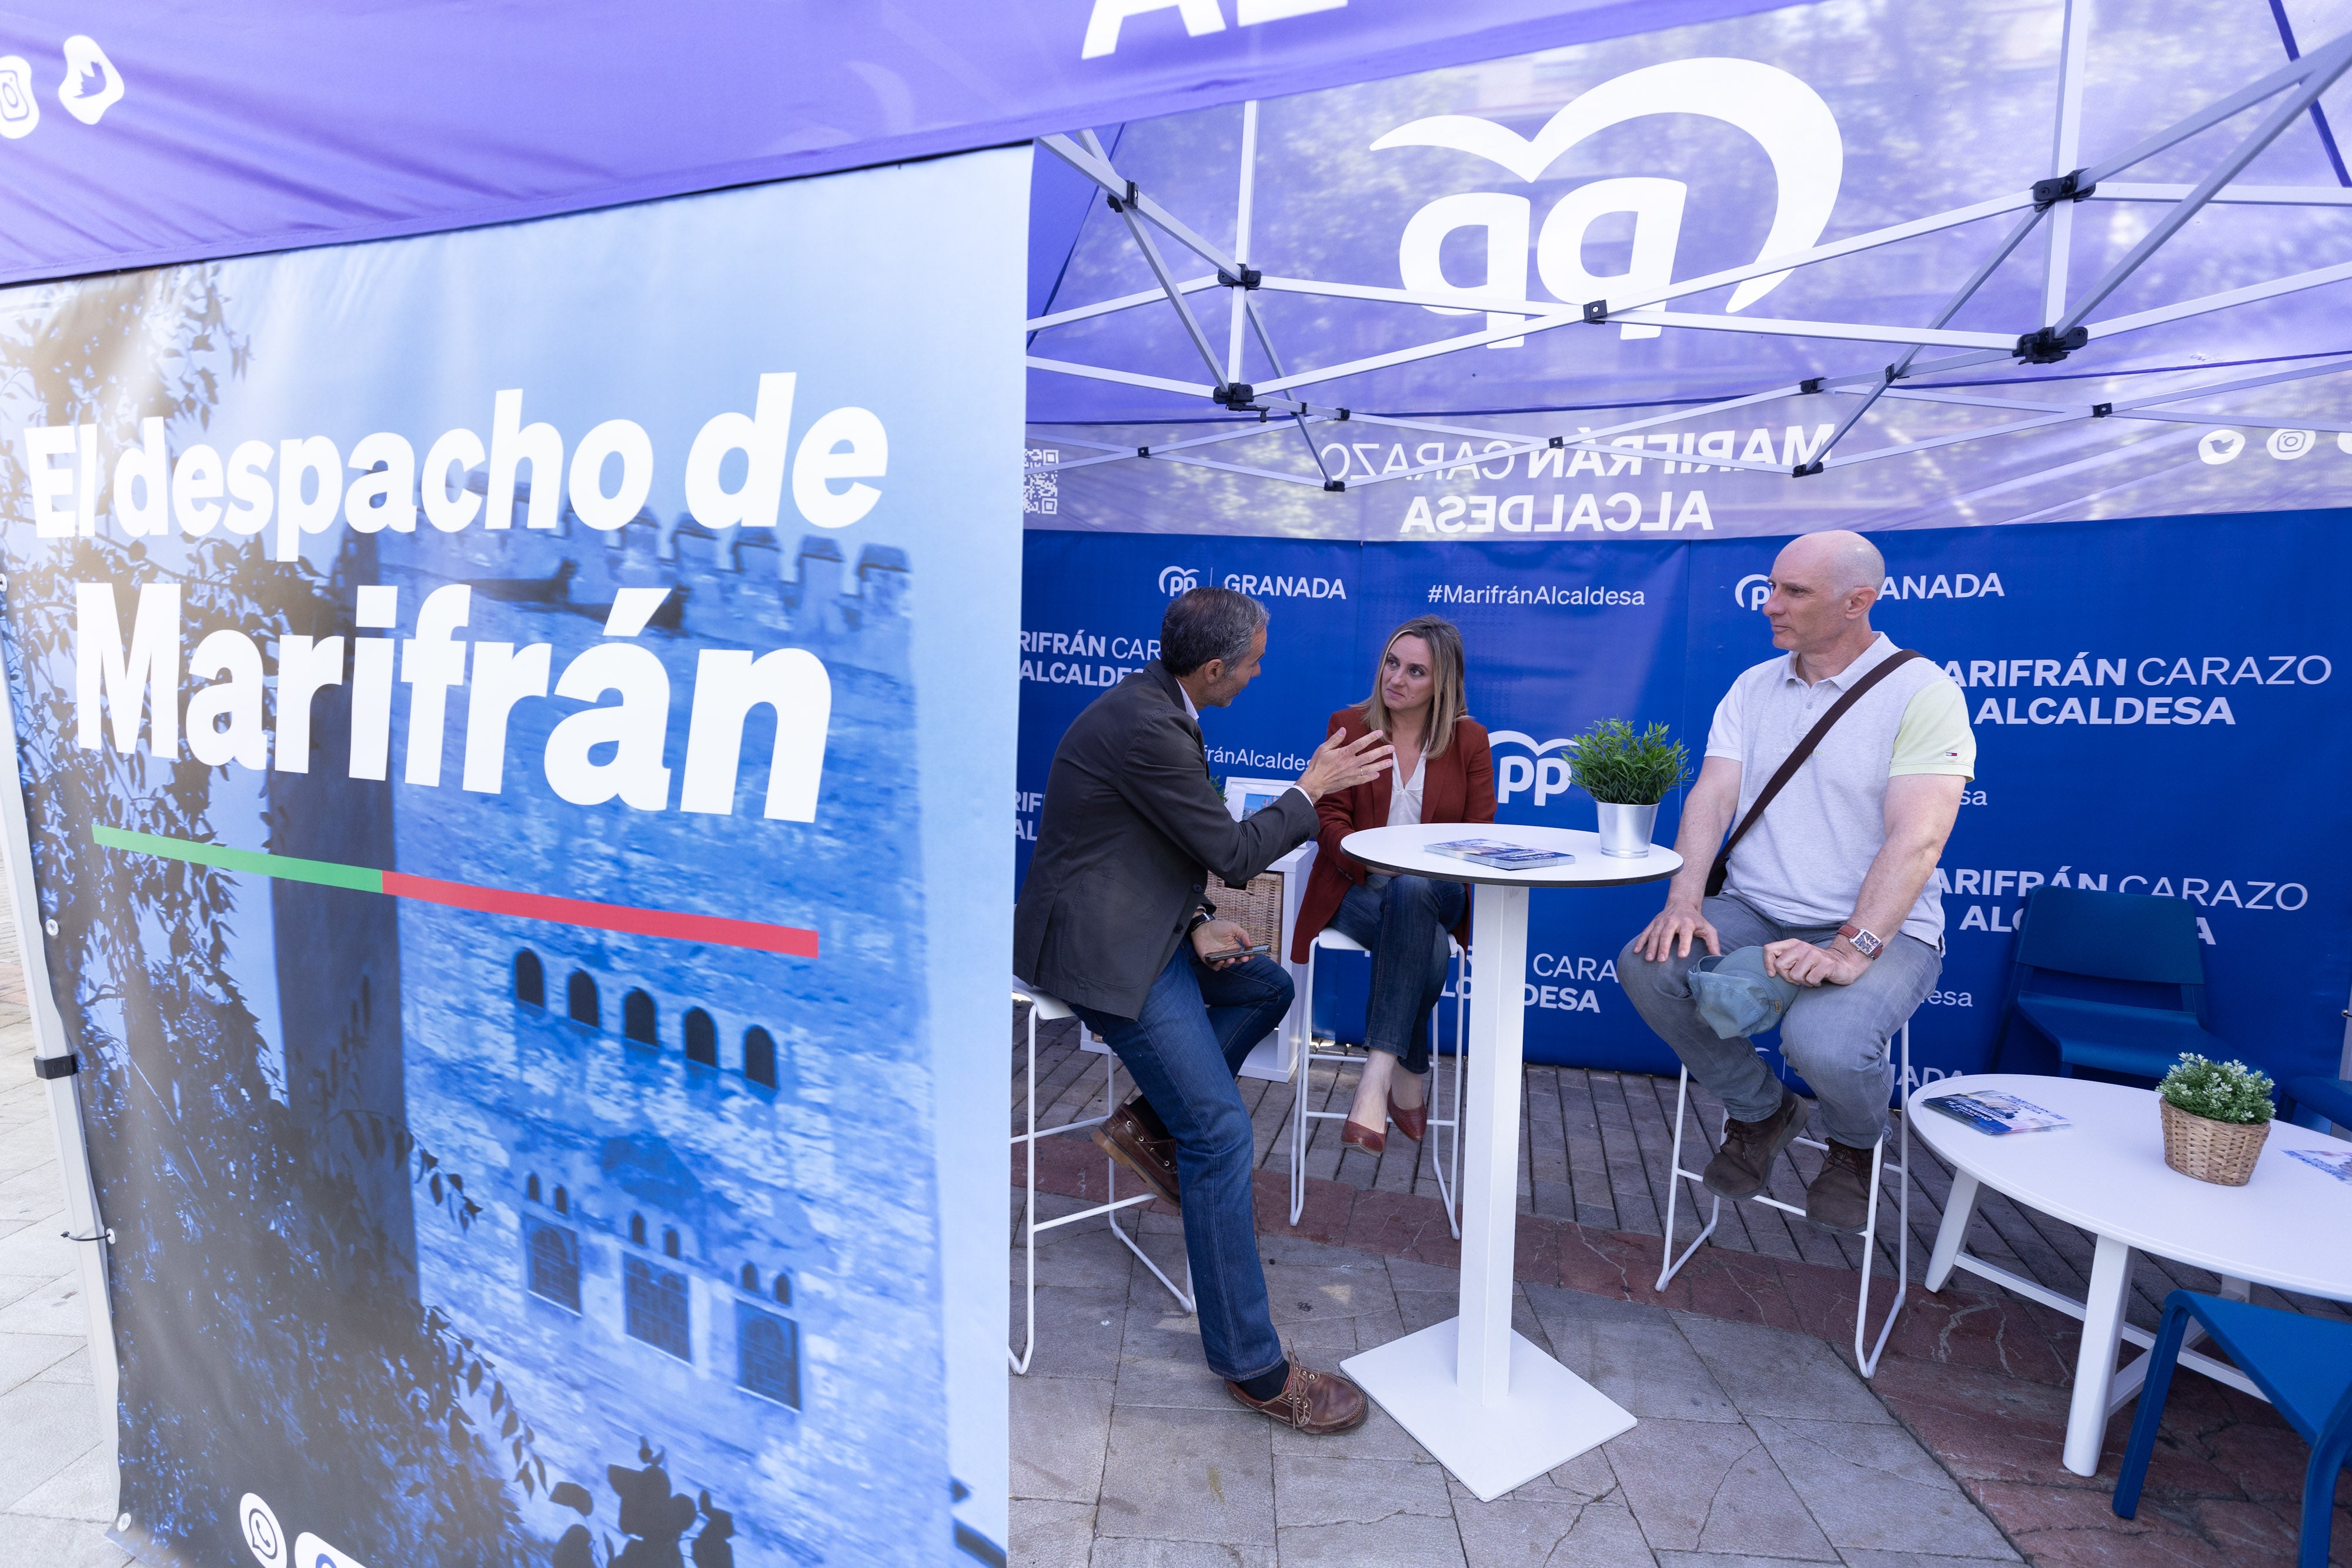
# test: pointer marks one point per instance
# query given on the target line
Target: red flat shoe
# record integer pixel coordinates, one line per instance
(1412, 1121)
(1363, 1137)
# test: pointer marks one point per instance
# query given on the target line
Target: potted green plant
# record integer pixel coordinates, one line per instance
(2216, 1115)
(1627, 772)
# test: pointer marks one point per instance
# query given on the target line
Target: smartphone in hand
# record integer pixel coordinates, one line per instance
(1230, 954)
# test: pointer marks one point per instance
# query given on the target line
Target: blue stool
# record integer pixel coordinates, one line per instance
(2303, 1366)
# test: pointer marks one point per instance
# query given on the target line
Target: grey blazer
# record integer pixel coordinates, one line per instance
(1131, 831)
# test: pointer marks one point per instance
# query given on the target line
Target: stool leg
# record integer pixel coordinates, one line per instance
(1460, 1048)
(1668, 1264)
(1868, 1362)
(1029, 1212)
(1301, 1078)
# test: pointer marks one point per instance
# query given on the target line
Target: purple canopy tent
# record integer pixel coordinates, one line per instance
(2150, 246)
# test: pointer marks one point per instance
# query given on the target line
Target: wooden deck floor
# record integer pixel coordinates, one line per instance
(1595, 1147)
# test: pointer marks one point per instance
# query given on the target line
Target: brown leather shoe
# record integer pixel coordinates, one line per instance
(1740, 1167)
(1355, 1135)
(1124, 1139)
(1840, 1196)
(1412, 1121)
(1319, 1404)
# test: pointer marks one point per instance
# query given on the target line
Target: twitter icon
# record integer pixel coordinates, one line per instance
(91, 85)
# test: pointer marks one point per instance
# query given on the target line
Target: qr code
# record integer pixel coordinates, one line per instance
(1044, 491)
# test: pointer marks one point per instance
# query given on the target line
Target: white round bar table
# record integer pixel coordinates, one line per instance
(2106, 1173)
(1494, 1410)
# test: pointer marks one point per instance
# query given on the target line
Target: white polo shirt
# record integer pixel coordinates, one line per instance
(1804, 860)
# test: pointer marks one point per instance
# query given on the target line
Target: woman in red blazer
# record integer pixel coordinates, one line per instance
(1444, 772)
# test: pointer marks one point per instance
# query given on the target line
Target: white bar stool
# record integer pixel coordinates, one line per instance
(1043, 1005)
(1901, 1170)
(1449, 1187)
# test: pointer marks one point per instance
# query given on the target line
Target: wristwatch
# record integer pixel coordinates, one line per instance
(1864, 941)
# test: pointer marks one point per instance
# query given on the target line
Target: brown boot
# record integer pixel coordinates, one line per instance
(1840, 1196)
(1319, 1404)
(1123, 1138)
(1740, 1167)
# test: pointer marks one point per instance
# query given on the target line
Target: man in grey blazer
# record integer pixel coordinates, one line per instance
(1117, 920)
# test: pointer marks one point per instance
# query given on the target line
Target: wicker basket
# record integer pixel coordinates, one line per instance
(1256, 909)
(2222, 1153)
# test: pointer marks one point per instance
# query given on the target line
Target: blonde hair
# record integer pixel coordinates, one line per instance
(1448, 704)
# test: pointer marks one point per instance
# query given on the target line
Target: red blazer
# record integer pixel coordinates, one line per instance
(1457, 787)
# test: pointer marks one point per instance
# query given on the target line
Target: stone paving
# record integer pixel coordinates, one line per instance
(56, 1448)
(1758, 1444)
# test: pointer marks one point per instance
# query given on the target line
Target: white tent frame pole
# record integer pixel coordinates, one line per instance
(1096, 167)
(1124, 378)
(1160, 449)
(2235, 195)
(2251, 421)
(1956, 437)
(2295, 284)
(2302, 82)
(2322, 69)
(1241, 236)
(2203, 120)
(86, 1224)
(1314, 484)
(1144, 243)
(2065, 152)
(1952, 307)
(1111, 307)
(2242, 383)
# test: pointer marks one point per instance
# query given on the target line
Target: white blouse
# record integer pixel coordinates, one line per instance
(1404, 799)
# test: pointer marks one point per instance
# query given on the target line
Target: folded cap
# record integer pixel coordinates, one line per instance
(1736, 996)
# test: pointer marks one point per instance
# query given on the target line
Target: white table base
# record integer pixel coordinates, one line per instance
(2100, 1389)
(1547, 1416)
(1493, 1408)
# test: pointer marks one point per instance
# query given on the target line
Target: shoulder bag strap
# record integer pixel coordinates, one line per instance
(1853, 695)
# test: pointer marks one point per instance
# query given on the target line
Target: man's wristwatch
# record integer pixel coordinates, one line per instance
(1200, 917)
(1864, 941)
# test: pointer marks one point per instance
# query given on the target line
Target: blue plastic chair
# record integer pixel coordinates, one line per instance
(2302, 1364)
(2315, 1102)
(2109, 937)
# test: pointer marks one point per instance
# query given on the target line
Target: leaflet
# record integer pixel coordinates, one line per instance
(1499, 854)
(1996, 1114)
(2335, 1162)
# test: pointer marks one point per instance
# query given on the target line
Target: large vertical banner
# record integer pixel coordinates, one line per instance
(513, 729)
(2157, 706)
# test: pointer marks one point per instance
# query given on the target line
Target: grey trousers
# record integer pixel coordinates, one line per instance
(1835, 1036)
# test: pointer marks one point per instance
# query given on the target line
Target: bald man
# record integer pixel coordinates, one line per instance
(1833, 881)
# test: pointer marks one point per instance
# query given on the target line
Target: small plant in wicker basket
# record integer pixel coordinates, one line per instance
(1620, 766)
(2216, 1115)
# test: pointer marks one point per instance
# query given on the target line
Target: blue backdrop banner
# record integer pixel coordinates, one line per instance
(2155, 713)
(510, 782)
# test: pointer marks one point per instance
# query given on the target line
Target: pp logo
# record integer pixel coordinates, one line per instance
(19, 111)
(1752, 590)
(2220, 446)
(1176, 580)
(93, 84)
(2288, 444)
(1539, 770)
(262, 1536)
(1787, 119)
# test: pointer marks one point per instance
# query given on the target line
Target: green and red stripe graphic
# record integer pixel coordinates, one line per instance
(789, 940)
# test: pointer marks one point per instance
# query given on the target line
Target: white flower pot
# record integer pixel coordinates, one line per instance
(1625, 830)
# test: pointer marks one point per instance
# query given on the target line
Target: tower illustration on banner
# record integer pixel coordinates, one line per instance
(679, 1267)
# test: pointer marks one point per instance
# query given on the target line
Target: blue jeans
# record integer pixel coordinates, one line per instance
(1834, 1037)
(1403, 927)
(1198, 1024)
